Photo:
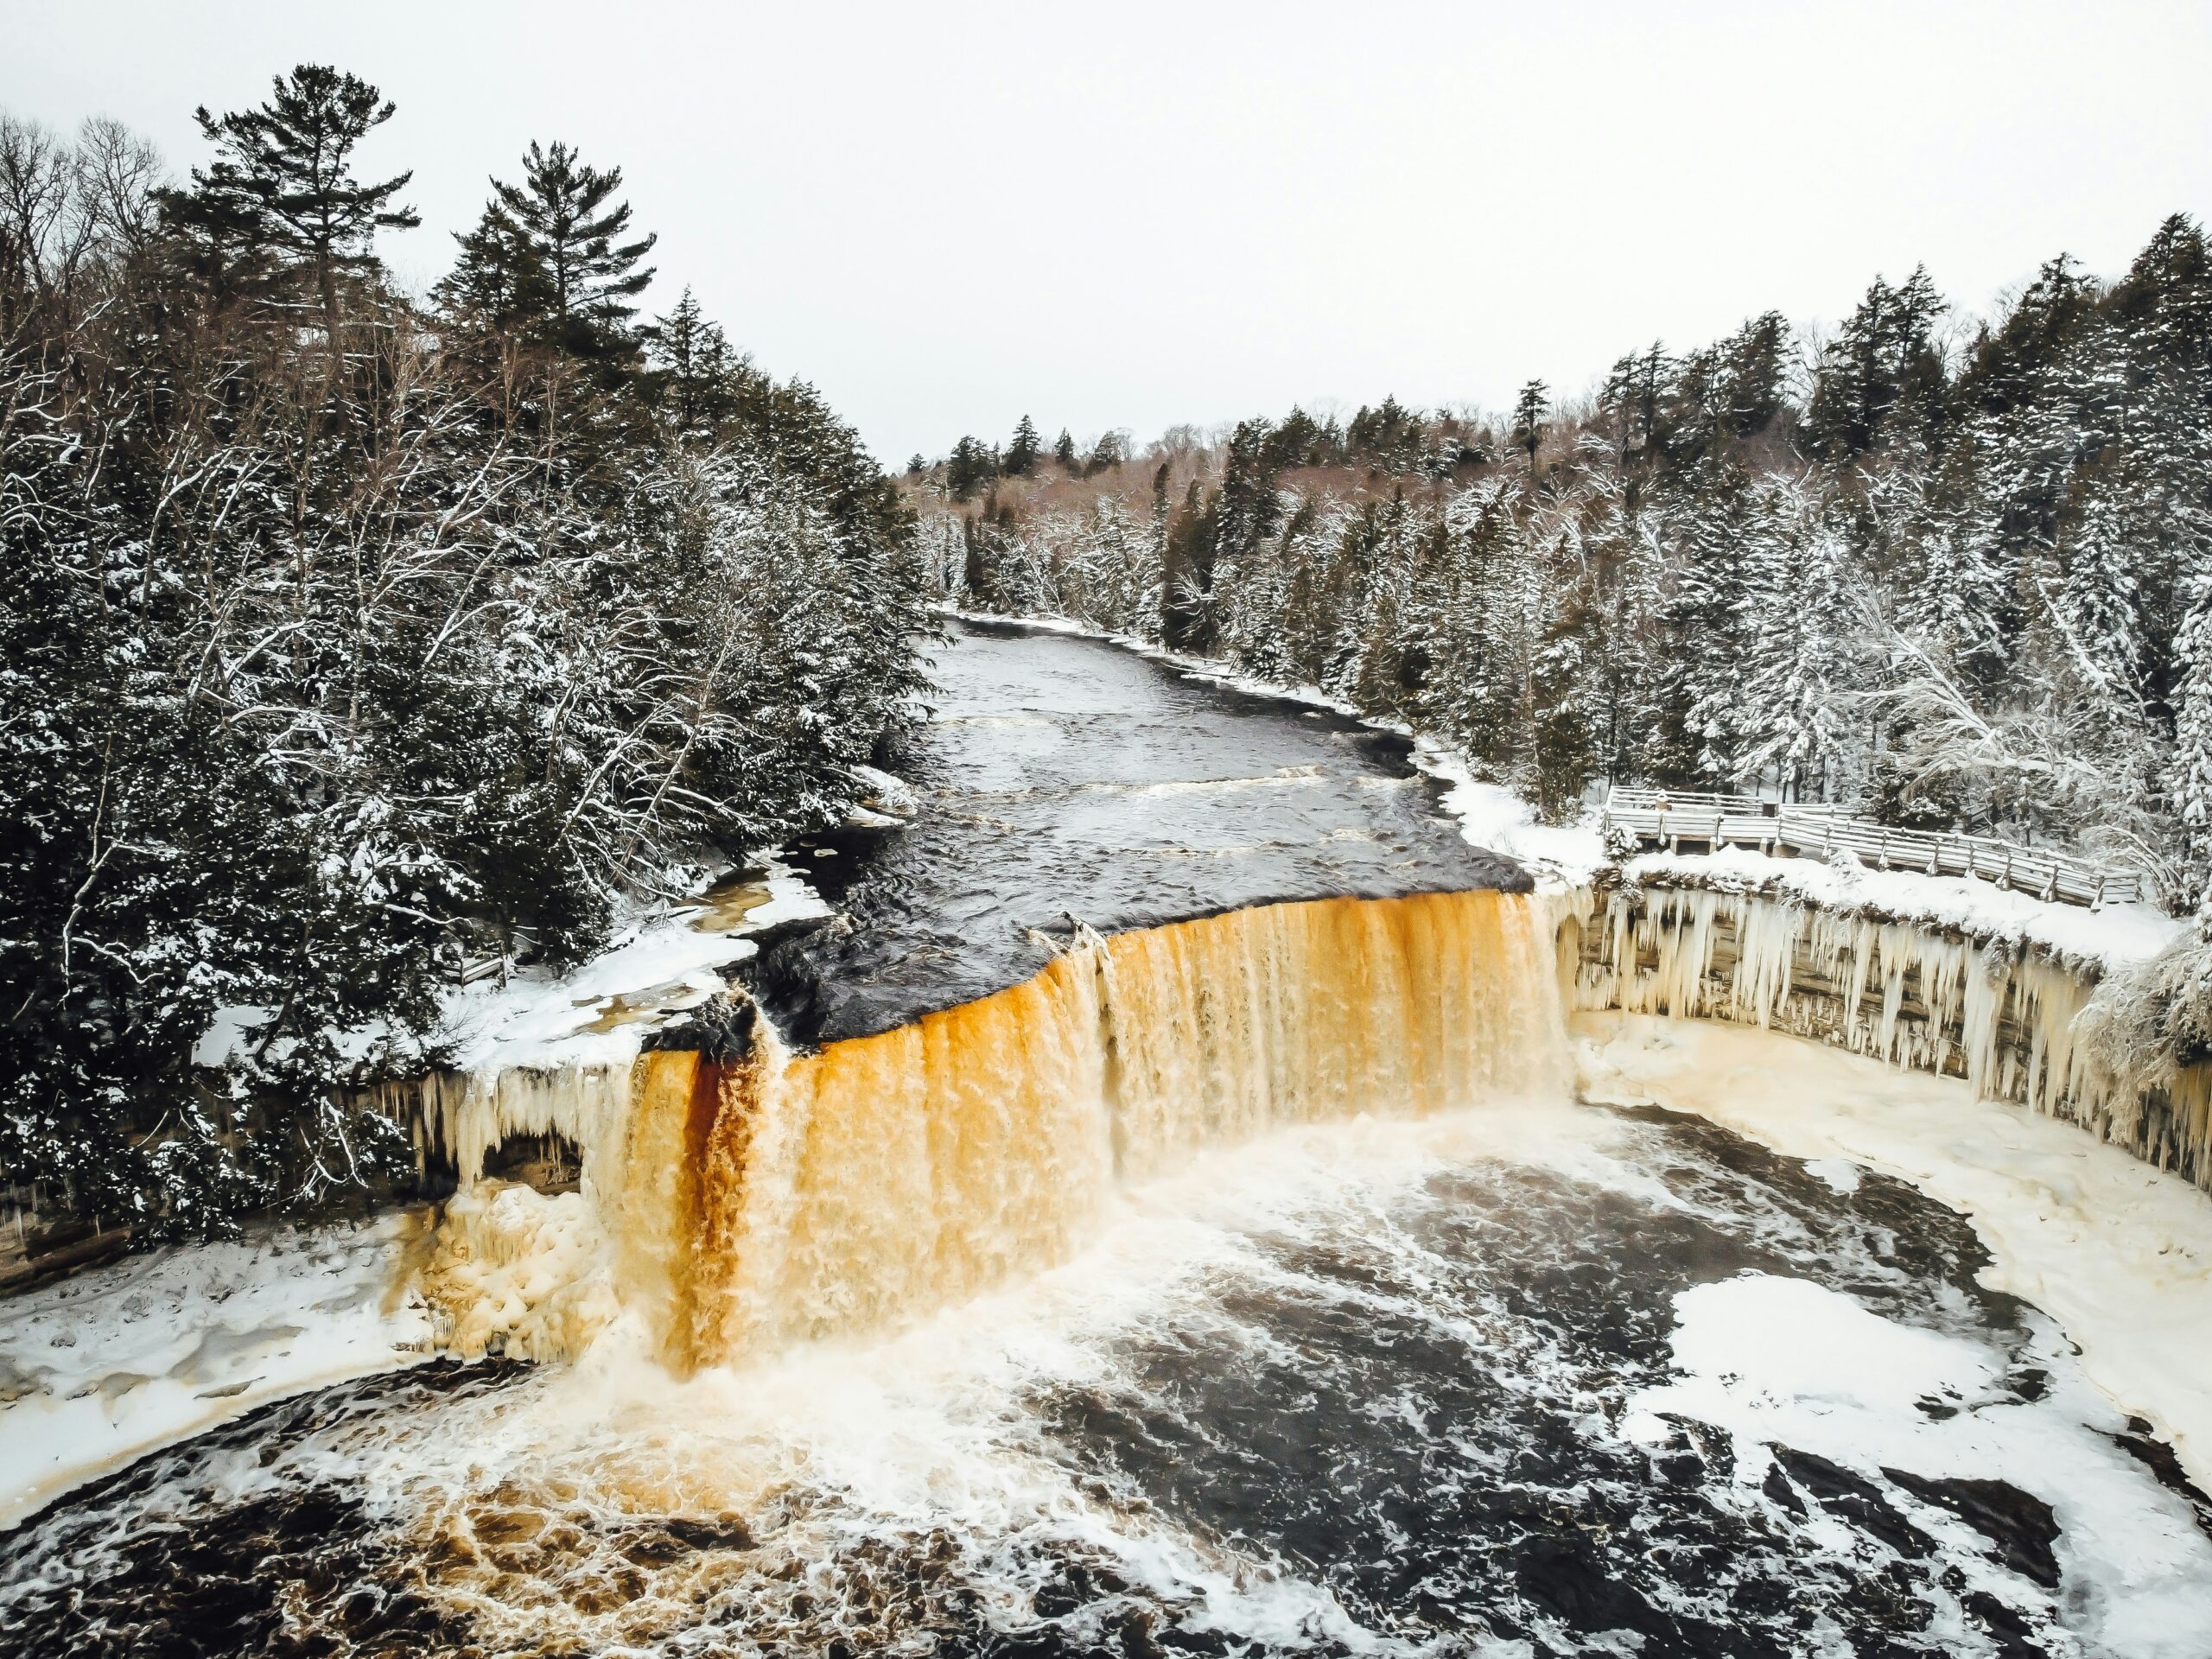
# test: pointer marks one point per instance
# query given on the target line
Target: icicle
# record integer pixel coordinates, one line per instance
(2002, 1018)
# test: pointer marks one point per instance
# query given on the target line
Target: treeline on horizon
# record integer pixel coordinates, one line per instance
(1962, 580)
(347, 636)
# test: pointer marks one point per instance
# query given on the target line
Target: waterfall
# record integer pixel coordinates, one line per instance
(731, 1207)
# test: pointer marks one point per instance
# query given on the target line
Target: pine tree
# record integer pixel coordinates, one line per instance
(1632, 396)
(1882, 374)
(1020, 457)
(1794, 716)
(1250, 508)
(694, 355)
(1109, 452)
(1529, 412)
(1563, 745)
(285, 179)
(2098, 607)
(2166, 298)
(1705, 635)
(1954, 584)
(562, 220)
(497, 284)
(1189, 538)
(2192, 767)
(970, 467)
(1064, 453)
(2009, 363)
(1754, 363)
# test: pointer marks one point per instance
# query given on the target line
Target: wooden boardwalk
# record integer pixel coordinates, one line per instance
(1682, 822)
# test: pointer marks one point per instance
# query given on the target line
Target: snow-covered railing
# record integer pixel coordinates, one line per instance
(1668, 819)
(1620, 797)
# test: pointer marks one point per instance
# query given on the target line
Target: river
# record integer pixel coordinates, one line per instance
(1276, 1337)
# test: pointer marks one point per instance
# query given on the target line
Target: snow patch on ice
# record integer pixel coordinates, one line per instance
(1784, 1362)
(2119, 1253)
(107, 1364)
(1837, 1174)
(1788, 1347)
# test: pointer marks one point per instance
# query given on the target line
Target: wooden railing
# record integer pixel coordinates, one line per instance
(1668, 819)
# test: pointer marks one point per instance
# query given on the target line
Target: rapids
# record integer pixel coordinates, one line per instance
(1528, 1377)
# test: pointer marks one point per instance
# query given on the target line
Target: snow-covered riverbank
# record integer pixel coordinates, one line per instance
(105, 1366)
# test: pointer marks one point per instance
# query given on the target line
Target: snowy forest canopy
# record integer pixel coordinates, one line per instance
(346, 635)
(1960, 576)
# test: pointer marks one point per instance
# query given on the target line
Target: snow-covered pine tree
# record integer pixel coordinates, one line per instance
(2192, 767)
(1799, 721)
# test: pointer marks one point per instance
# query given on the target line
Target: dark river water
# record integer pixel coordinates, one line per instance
(1063, 780)
(1530, 1379)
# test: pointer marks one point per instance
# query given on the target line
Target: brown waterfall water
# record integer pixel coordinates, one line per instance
(778, 1199)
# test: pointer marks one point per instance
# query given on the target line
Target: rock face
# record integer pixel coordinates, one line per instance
(1065, 781)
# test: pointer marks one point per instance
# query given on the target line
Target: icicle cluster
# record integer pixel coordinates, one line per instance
(2001, 1016)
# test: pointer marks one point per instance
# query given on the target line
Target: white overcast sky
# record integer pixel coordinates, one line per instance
(1130, 216)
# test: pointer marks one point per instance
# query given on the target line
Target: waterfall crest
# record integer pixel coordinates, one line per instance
(734, 1206)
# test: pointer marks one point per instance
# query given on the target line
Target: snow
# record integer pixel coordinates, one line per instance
(107, 1364)
(597, 1013)
(1494, 816)
(2119, 1253)
(667, 960)
(2108, 938)
(1783, 1361)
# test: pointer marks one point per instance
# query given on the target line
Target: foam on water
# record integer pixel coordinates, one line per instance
(1487, 1382)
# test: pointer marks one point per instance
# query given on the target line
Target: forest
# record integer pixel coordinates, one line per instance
(353, 638)
(1956, 572)
(349, 636)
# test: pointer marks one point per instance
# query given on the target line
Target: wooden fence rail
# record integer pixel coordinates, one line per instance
(1662, 818)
